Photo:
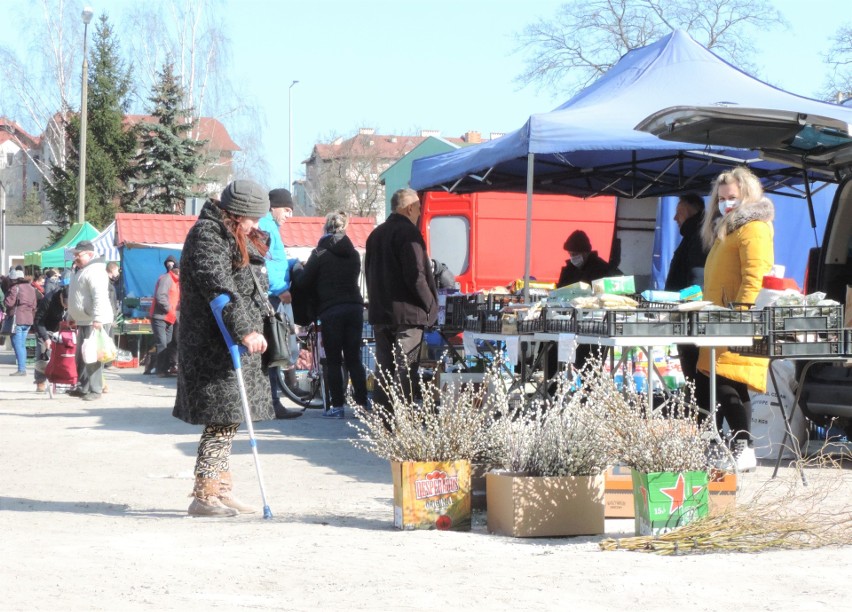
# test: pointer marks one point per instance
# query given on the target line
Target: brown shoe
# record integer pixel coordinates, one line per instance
(41, 388)
(205, 500)
(227, 498)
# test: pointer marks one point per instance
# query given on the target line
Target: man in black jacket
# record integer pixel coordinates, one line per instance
(402, 300)
(584, 264)
(687, 265)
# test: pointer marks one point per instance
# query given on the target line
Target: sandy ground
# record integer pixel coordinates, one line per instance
(92, 517)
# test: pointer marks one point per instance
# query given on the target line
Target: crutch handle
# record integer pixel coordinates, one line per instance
(217, 304)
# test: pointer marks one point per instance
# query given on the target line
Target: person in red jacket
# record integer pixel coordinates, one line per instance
(164, 319)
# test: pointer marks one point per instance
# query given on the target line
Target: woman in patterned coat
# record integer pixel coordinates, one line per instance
(219, 254)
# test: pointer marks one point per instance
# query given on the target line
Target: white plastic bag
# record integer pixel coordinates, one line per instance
(767, 423)
(89, 349)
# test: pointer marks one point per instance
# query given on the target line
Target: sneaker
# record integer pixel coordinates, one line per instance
(18, 373)
(76, 392)
(744, 454)
(334, 413)
(90, 397)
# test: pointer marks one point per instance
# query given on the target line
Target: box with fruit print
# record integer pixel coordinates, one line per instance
(431, 495)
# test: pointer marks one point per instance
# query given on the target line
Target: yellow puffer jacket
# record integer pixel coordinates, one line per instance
(736, 265)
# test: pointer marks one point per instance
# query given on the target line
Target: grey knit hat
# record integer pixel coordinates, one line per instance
(245, 198)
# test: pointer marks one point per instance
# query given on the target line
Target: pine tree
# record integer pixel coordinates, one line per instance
(109, 146)
(165, 168)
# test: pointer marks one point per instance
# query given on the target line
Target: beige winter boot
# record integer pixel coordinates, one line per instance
(226, 496)
(205, 499)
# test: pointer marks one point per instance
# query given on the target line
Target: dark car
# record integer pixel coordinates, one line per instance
(821, 147)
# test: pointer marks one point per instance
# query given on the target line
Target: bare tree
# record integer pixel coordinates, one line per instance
(41, 88)
(344, 174)
(587, 37)
(839, 57)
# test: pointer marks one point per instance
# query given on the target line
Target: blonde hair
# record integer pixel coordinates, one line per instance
(336, 222)
(751, 191)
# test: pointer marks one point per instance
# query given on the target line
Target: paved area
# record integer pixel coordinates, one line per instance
(92, 517)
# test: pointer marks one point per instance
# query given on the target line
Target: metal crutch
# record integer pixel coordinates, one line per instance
(217, 304)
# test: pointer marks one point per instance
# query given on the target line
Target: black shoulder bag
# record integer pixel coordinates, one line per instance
(276, 330)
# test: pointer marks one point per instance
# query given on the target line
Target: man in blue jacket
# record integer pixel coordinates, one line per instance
(278, 268)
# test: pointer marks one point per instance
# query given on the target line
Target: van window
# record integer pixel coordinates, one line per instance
(449, 242)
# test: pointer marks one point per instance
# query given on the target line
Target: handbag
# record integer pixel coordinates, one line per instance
(8, 328)
(276, 330)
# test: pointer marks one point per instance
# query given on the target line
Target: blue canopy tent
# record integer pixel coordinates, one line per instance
(588, 146)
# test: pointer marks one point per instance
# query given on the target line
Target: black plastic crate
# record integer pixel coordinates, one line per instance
(804, 318)
(492, 322)
(727, 323)
(632, 323)
(454, 311)
(562, 319)
(473, 322)
(778, 346)
(499, 301)
(530, 326)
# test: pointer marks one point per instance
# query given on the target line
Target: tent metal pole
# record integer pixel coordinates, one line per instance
(528, 251)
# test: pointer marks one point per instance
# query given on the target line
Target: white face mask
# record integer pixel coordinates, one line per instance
(726, 206)
(578, 260)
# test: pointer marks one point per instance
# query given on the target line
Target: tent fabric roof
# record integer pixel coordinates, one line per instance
(588, 145)
(139, 228)
(54, 255)
(104, 245)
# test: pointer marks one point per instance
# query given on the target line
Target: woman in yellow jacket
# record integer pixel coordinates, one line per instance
(738, 231)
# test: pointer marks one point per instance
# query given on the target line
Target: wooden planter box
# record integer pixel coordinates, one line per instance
(431, 495)
(539, 506)
(666, 500)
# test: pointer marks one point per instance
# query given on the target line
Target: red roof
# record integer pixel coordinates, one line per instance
(18, 135)
(172, 229)
(306, 231)
(152, 229)
(208, 128)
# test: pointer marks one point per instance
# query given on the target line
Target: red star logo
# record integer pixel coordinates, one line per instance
(676, 493)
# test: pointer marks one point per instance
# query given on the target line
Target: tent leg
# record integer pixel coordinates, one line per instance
(528, 248)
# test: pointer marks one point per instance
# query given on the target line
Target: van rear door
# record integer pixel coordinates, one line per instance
(817, 143)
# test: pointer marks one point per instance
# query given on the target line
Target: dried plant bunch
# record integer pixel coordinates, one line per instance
(670, 438)
(568, 435)
(450, 423)
(780, 515)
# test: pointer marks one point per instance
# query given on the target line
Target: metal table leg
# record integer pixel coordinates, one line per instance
(788, 421)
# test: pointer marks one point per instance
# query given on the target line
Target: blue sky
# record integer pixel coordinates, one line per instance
(404, 65)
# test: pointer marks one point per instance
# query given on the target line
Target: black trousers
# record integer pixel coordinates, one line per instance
(398, 356)
(734, 404)
(342, 326)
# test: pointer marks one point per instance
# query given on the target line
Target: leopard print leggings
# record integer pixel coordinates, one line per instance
(214, 450)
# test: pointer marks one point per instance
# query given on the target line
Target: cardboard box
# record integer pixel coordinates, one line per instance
(663, 501)
(614, 284)
(619, 492)
(431, 495)
(535, 506)
(723, 491)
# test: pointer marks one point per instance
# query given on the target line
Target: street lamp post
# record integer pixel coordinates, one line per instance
(290, 137)
(81, 201)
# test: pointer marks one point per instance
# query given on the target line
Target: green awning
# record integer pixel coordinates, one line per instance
(54, 255)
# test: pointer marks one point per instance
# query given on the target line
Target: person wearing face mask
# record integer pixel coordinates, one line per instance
(737, 230)
(583, 263)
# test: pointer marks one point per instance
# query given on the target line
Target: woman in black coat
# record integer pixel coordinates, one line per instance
(220, 253)
(331, 274)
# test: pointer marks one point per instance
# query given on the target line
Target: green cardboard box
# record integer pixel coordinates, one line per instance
(666, 500)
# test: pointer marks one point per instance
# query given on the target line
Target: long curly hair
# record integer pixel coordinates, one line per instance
(751, 192)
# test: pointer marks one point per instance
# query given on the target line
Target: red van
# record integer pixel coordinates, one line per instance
(481, 237)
